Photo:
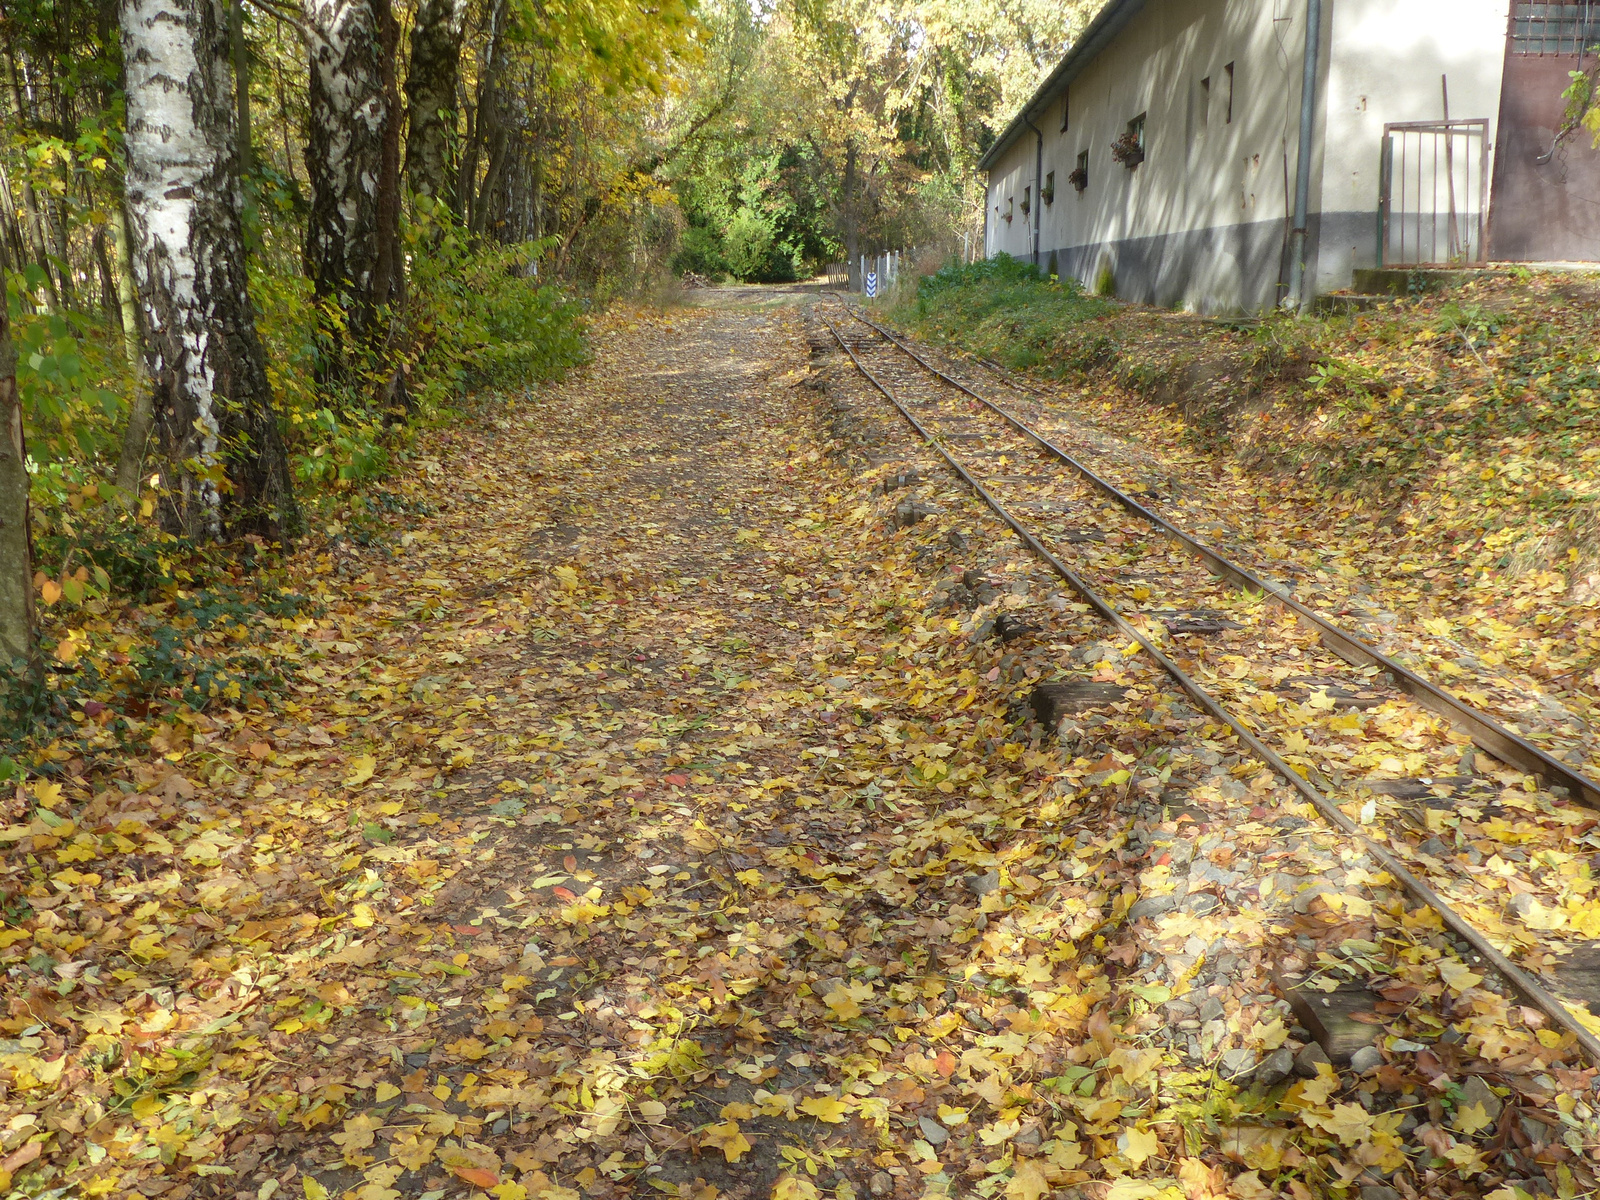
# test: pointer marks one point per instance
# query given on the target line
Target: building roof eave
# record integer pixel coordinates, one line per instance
(1110, 21)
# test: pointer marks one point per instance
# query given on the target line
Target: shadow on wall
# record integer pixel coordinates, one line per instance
(1216, 285)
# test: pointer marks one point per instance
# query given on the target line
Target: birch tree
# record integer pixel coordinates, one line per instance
(432, 80)
(352, 239)
(17, 631)
(225, 471)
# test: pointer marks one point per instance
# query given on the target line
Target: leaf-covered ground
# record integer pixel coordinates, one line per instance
(1427, 469)
(651, 814)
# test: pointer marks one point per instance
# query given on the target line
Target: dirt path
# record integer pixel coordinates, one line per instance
(660, 812)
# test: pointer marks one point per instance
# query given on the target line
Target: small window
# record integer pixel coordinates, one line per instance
(1227, 72)
(1080, 174)
(1048, 192)
(1205, 101)
(1009, 214)
(1066, 109)
(1027, 200)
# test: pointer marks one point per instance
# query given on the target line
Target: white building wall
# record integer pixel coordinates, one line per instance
(1388, 64)
(1008, 230)
(1203, 222)
(1202, 171)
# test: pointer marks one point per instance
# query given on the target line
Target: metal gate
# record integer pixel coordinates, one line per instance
(1434, 192)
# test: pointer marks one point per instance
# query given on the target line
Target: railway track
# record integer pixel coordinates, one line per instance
(1523, 703)
(1384, 755)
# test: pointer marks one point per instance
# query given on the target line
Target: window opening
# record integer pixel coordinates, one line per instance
(1048, 192)
(1228, 74)
(1538, 30)
(1080, 174)
(1129, 149)
(1205, 100)
(1027, 200)
(1066, 109)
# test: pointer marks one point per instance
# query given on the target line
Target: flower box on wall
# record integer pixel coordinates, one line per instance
(1129, 148)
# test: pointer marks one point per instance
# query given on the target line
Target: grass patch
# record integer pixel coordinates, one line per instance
(1003, 309)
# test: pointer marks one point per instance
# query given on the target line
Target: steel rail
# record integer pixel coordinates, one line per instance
(1485, 731)
(1526, 985)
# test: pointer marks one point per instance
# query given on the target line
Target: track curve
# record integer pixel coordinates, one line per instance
(1102, 583)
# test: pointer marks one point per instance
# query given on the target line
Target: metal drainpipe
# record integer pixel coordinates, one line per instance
(1302, 173)
(1038, 183)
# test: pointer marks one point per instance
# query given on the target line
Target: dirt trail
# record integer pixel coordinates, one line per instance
(663, 814)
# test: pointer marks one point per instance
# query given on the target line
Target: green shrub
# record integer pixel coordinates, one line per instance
(700, 253)
(754, 252)
(1003, 308)
(480, 314)
(477, 315)
(1001, 269)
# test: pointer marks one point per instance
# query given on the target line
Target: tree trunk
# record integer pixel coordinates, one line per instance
(56, 217)
(226, 471)
(484, 123)
(41, 252)
(389, 277)
(108, 281)
(240, 51)
(852, 225)
(39, 248)
(431, 84)
(350, 125)
(18, 644)
(141, 414)
(14, 243)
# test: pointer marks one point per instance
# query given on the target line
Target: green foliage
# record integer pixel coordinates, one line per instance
(748, 243)
(477, 316)
(757, 223)
(1582, 112)
(1001, 269)
(700, 253)
(864, 121)
(73, 382)
(1002, 308)
(84, 528)
(753, 251)
(211, 646)
(195, 649)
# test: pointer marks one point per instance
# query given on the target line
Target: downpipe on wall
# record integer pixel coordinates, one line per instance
(1298, 292)
(1038, 182)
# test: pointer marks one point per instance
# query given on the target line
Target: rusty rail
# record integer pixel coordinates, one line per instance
(1529, 988)
(1485, 731)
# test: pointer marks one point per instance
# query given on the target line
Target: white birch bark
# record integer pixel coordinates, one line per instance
(432, 80)
(204, 360)
(350, 122)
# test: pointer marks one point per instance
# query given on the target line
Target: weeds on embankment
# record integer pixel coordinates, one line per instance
(1485, 396)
